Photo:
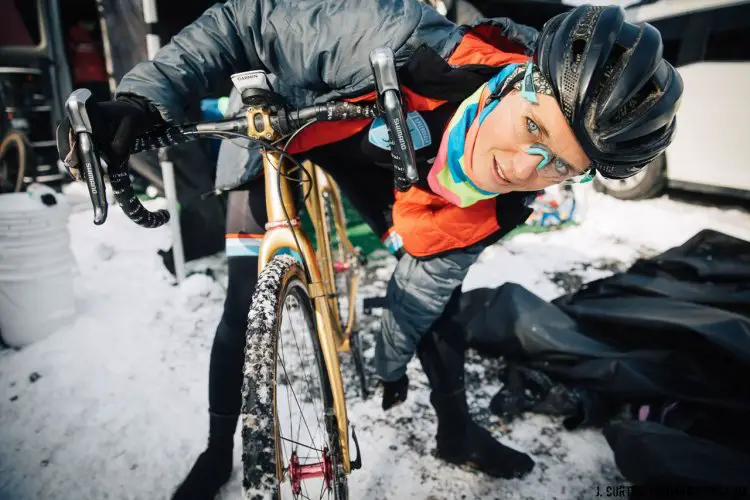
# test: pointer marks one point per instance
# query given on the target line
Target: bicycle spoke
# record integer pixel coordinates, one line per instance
(283, 454)
(302, 358)
(299, 425)
(297, 401)
(307, 378)
(306, 373)
(300, 444)
(320, 423)
(323, 489)
(289, 401)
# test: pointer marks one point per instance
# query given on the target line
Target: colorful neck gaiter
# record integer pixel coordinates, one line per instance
(450, 175)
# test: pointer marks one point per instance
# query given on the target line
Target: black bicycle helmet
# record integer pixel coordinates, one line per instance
(615, 89)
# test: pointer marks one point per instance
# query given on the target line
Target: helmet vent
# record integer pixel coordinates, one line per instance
(615, 59)
(645, 95)
(578, 48)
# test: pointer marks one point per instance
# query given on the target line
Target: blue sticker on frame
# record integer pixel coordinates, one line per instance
(379, 135)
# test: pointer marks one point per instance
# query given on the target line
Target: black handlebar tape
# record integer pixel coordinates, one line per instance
(160, 138)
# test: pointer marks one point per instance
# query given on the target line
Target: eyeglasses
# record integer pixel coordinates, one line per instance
(553, 167)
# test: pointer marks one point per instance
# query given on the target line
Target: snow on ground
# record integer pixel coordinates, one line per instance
(113, 404)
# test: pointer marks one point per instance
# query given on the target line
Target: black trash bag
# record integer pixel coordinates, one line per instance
(650, 455)
(708, 257)
(528, 390)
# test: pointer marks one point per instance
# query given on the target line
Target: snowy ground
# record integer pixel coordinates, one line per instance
(113, 404)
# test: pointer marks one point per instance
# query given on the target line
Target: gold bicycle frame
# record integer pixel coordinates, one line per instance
(282, 228)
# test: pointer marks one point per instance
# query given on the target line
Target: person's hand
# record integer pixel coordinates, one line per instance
(394, 393)
(115, 125)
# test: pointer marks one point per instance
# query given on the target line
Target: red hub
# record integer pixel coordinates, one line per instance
(298, 473)
(340, 266)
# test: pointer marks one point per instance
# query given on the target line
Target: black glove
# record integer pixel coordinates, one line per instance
(394, 393)
(115, 125)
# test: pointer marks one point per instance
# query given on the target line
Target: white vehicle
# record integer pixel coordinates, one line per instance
(709, 43)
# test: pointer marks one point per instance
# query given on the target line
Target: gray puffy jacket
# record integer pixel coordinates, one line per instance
(315, 51)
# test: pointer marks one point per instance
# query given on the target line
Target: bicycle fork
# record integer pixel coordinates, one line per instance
(283, 231)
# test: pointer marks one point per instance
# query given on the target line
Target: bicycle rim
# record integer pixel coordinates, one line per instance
(290, 438)
(341, 261)
(345, 266)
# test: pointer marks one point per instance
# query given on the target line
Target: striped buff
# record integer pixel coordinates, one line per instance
(450, 175)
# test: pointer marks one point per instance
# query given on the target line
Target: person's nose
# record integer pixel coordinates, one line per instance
(525, 166)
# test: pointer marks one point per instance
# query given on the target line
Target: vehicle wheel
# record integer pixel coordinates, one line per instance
(290, 439)
(647, 183)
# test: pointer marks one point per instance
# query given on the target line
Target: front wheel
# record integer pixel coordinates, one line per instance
(290, 438)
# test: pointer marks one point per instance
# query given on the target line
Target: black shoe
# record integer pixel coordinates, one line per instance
(461, 441)
(209, 473)
(213, 468)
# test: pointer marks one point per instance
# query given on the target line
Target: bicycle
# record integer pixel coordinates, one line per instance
(304, 283)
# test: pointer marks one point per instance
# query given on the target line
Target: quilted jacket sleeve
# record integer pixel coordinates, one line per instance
(311, 46)
(417, 295)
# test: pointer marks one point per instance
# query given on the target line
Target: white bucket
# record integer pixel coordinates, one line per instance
(36, 265)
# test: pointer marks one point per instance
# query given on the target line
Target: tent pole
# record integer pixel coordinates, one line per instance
(153, 43)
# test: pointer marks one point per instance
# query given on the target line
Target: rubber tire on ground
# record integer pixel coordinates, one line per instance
(280, 277)
(650, 185)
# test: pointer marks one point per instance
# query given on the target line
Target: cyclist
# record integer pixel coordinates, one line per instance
(497, 112)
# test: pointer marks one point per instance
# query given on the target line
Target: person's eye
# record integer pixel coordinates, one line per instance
(532, 127)
(561, 168)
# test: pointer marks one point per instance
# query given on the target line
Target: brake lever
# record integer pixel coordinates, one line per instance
(389, 96)
(92, 173)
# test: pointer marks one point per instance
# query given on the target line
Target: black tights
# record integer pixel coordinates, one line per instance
(246, 213)
(228, 350)
(442, 352)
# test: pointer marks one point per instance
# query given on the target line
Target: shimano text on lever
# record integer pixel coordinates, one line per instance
(389, 97)
(87, 155)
